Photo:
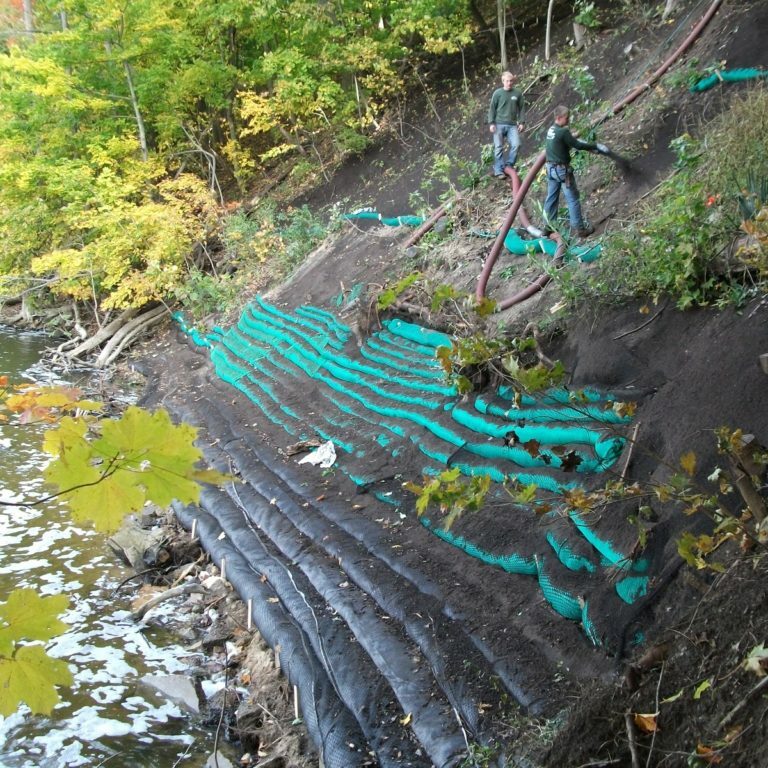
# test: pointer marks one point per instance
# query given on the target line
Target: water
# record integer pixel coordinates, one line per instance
(106, 717)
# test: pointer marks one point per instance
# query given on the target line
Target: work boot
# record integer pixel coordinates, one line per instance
(585, 230)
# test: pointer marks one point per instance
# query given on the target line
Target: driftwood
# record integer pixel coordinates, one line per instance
(104, 334)
(185, 589)
(128, 333)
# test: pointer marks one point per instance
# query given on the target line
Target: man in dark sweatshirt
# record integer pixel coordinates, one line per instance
(560, 142)
(506, 121)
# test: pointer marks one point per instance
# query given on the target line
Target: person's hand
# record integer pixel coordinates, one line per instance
(603, 149)
(521, 127)
(492, 128)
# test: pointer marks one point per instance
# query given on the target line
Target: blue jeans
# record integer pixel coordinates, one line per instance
(559, 176)
(510, 134)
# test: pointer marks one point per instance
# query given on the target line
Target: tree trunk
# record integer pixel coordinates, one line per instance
(501, 21)
(128, 334)
(668, 8)
(549, 30)
(136, 111)
(29, 19)
(105, 333)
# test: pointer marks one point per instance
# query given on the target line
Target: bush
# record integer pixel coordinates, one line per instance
(677, 243)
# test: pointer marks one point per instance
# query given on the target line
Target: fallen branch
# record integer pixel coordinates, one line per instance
(104, 334)
(640, 327)
(736, 711)
(632, 442)
(128, 333)
(185, 589)
(632, 739)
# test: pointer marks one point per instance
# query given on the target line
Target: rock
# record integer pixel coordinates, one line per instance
(138, 547)
(218, 634)
(218, 760)
(178, 688)
(216, 586)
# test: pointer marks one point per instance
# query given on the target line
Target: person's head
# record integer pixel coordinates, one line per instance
(562, 115)
(507, 80)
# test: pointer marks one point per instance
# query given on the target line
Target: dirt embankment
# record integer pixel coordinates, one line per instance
(511, 637)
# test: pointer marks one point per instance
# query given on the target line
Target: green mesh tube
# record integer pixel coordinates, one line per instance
(520, 247)
(561, 601)
(568, 557)
(727, 76)
(394, 221)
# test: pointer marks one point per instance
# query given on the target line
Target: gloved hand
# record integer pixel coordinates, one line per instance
(603, 149)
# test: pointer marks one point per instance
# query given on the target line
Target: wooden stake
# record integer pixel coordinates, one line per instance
(194, 528)
(277, 658)
(224, 568)
(295, 703)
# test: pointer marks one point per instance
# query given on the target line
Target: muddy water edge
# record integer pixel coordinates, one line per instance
(148, 692)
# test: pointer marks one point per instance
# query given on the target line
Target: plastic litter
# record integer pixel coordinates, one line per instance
(324, 456)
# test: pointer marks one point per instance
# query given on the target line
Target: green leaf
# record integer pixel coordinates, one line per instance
(757, 660)
(162, 455)
(673, 697)
(30, 676)
(30, 617)
(700, 688)
(106, 502)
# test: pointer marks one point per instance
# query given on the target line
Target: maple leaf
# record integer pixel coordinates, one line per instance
(28, 616)
(570, 461)
(532, 448)
(162, 454)
(139, 457)
(625, 410)
(708, 755)
(31, 676)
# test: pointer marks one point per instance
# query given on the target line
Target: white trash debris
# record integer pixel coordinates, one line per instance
(325, 456)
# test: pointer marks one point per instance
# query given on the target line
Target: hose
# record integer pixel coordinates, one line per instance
(540, 160)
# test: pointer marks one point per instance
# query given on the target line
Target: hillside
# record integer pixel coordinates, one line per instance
(556, 624)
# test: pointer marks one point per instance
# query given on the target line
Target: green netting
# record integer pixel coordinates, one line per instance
(589, 626)
(423, 336)
(521, 247)
(512, 563)
(727, 76)
(394, 221)
(568, 557)
(605, 548)
(395, 395)
(630, 588)
(561, 601)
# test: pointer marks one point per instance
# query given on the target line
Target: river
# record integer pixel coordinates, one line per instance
(106, 717)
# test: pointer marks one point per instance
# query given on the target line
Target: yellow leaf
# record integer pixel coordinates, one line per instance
(406, 720)
(700, 688)
(688, 463)
(672, 698)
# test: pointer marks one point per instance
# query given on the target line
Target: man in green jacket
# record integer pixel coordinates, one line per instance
(506, 121)
(560, 142)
